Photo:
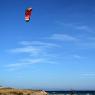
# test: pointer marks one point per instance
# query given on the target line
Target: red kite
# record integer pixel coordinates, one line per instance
(28, 13)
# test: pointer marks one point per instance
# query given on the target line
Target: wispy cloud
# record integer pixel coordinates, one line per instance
(84, 28)
(77, 56)
(63, 37)
(37, 53)
(38, 43)
(88, 75)
(91, 39)
(26, 49)
(86, 45)
(23, 63)
(34, 47)
(27, 63)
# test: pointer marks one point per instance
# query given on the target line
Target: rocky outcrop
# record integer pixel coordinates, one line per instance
(12, 91)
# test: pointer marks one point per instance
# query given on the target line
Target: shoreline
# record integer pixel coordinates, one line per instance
(14, 91)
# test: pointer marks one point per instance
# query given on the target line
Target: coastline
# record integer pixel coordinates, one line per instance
(14, 91)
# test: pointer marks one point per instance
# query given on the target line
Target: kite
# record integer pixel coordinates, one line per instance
(28, 13)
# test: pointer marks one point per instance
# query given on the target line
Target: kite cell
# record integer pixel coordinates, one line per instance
(28, 13)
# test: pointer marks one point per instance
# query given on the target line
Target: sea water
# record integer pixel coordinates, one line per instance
(71, 93)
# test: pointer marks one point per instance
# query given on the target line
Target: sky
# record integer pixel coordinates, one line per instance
(55, 50)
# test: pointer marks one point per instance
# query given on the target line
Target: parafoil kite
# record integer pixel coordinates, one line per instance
(28, 13)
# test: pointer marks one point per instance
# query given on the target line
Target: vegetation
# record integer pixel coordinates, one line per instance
(12, 91)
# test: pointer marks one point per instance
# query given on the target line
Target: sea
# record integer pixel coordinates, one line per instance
(71, 92)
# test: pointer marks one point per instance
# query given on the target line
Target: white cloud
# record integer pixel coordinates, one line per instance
(24, 63)
(84, 28)
(34, 48)
(86, 45)
(38, 43)
(88, 75)
(27, 63)
(32, 61)
(76, 56)
(26, 49)
(25, 43)
(63, 37)
(37, 53)
(92, 39)
(14, 65)
(81, 27)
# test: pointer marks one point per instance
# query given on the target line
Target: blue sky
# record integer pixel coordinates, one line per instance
(55, 50)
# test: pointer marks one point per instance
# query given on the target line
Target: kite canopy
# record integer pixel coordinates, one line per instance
(28, 13)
